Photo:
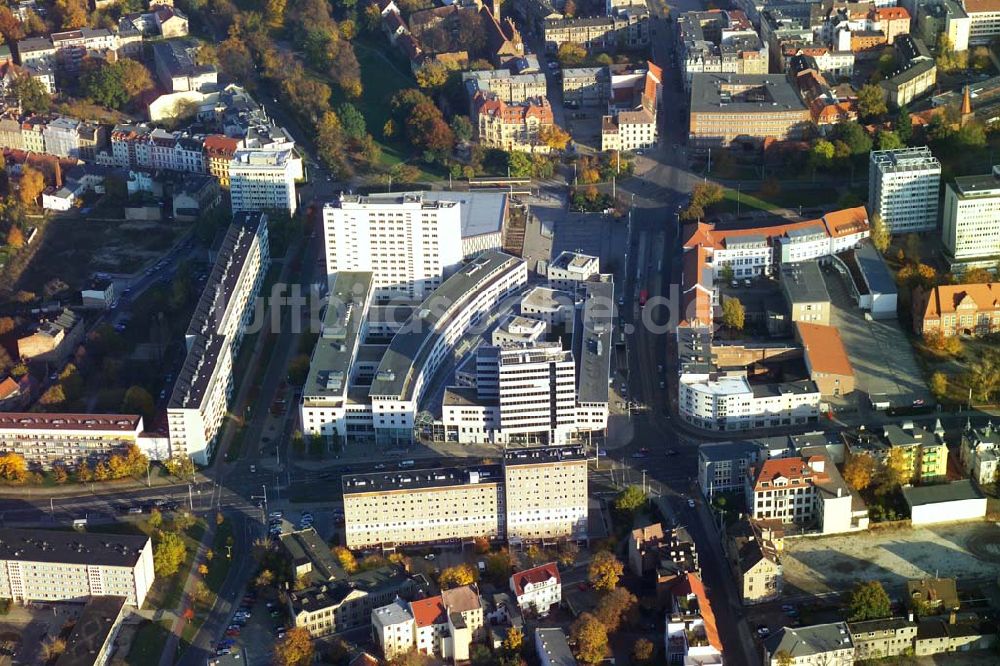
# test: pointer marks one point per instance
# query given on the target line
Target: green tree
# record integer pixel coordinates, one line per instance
(871, 101)
(879, 232)
(869, 602)
(571, 54)
(733, 313)
(352, 121)
(168, 554)
(31, 94)
(904, 124)
(853, 137)
(103, 83)
(630, 499)
(462, 127)
(886, 140)
(821, 154)
(604, 572)
(520, 164)
(643, 651)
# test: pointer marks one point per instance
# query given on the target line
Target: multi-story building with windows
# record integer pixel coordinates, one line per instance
(37, 52)
(924, 452)
(903, 187)
(972, 217)
(729, 402)
(73, 46)
(69, 439)
(626, 28)
(537, 589)
(263, 180)
(219, 153)
(507, 86)
(720, 41)
(569, 269)
(536, 494)
(443, 625)
(204, 384)
(957, 309)
(92, 642)
(511, 126)
(980, 453)
(828, 644)
(805, 492)
(984, 20)
(744, 109)
(47, 566)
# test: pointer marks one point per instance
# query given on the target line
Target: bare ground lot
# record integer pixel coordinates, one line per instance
(834, 564)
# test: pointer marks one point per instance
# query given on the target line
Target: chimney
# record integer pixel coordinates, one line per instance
(951, 617)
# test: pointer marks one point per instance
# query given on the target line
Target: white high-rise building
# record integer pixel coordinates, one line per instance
(204, 385)
(903, 187)
(972, 217)
(261, 180)
(537, 394)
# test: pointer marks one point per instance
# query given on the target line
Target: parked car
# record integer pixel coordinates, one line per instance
(691, 503)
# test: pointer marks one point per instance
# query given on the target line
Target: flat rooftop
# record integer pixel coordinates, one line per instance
(482, 212)
(986, 185)
(330, 366)
(87, 548)
(86, 422)
(592, 332)
(543, 455)
(803, 283)
(743, 93)
(91, 631)
(943, 492)
(410, 348)
(421, 479)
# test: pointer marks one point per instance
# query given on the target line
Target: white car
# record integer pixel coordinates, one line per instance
(691, 503)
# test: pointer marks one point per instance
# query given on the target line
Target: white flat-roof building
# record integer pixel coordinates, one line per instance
(69, 439)
(972, 217)
(410, 241)
(204, 385)
(571, 268)
(44, 565)
(903, 187)
(730, 402)
(262, 180)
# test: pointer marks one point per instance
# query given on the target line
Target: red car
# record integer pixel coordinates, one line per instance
(232, 632)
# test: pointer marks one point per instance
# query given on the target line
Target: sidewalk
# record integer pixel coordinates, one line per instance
(71, 490)
(168, 657)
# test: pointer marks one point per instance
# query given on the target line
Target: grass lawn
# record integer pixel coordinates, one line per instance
(218, 568)
(785, 198)
(147, 644)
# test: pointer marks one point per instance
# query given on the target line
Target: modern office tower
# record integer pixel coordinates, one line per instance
(903, 187)
(261, 180)
(972, 217)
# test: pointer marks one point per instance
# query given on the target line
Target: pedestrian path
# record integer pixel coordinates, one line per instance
(169, 654)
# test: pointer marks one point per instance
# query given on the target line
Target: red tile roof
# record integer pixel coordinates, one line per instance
(97, 422)
(795, 470)
(946, 298)
(428, 612)
(705, 609)
(8, 387)
(534, 576)
(824, 349)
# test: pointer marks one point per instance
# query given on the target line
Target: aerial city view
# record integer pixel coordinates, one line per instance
(500, 332)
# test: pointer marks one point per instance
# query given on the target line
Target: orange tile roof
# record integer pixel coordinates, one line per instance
(980, 6)
(946, 298)
(824, 348)
(8, 387)
(428, 612)
(846, 221)
(534, 576)
(705, 609)
(795, 470)
(892, 14)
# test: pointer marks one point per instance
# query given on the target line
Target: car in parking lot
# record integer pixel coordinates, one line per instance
(763, 631)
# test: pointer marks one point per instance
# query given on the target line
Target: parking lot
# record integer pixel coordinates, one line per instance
(836, 563)
(879, 350)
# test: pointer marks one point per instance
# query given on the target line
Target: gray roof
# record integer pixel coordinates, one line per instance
(382, 581)
(977, 186)
(707, 95)
(92, 630)
(411, 347)
(874, 270)
(803, 283)
(817, 639)
(543, 455)
(306, 546)
(782, 388)
(555, 646)
(337, 345)
(93, 548)
(592, 332)
(735, 450)
(440, 477)
(482, 212)
(397, 612)
(943, 492)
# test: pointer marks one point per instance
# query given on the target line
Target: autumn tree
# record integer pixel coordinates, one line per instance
(346, 559)
(896, 469)
(71, 14)
(513, 642)
(431, 75)
(200, 593)
(937, 341)
(168, 554)
(13, 467)
(977, 276)
(15, 238)
(869, 601)
(7, 324)
(630, 500)
(555, 137)
(138, 400)
(10, 26)
(136, 77)
(880, 233)
(456, 576)
(859, 470)
(264, 579)
(155, 519)
(180, 466)
(568, 551)
(784, 658)
(571, 54)
(643, 651)
(54, 396)
(605, 570)
(703, 195)
(31, 186)
(274, 13)
(591, 638)
(617, 607)
(52, 648)
(295, 649)
(733, 313)
(938, 385)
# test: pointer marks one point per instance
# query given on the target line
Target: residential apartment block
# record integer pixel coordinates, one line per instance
(411, 241)
(569, 269)
(980, 453)
(692, 634)
(984, 20)
(719, 41)
(538, 589)
(729, 402)
(828, 644)
(511, 126)
(924, 451)
(957, 309)
(204, 385)
(971, 227)
(47, 566)
(264, 180)
(626, 28)
(744, 109)
(903, 187)
(634, 99)
(754, 556)
(809, 493)
(534, 494)
(508, 87)
(443, 626)
(586, 86)
(177, 69)
(92, 638)
(665, 552)
(73, 46)
(70, 439)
